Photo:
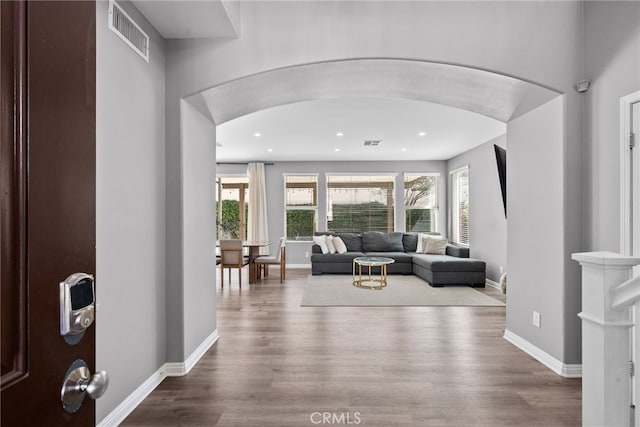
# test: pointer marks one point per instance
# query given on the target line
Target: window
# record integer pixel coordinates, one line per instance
(301, 199)
(360, 203)
(460, 206)
(232, 207)
(420, 202)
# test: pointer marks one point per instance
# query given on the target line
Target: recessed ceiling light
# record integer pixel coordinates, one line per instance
(422, 134)
(339, 134)
(336, 149)
(257, 134)
(269, 149)
(404, 149)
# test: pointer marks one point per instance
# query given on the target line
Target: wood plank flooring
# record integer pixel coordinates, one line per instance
(279, 364)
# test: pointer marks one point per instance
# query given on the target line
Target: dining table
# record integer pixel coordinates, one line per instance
(254, 252)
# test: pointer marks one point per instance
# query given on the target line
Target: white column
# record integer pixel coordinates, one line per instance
(606, 351)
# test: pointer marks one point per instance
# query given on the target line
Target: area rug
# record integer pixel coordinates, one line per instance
(336, 290)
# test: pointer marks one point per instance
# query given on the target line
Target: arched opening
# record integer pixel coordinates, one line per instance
(534, 113)
(494, 95)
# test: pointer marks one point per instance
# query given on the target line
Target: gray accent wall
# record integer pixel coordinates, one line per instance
(297, 251)
(190, 230)
(535, 229)
(130, 212)
(487, 223)
(198, 231)
(613, 65)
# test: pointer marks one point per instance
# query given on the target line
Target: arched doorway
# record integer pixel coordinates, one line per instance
(498, 96)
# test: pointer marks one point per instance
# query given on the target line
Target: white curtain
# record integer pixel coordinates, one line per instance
(257, 224)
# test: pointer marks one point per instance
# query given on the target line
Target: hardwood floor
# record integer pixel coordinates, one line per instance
(279, 364)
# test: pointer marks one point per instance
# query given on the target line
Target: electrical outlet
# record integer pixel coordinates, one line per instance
(306, 254)
(501, 270)
(536, 319)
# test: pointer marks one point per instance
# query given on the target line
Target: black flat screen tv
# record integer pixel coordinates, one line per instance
(501, 160)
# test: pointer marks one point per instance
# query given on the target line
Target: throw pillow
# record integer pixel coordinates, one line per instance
(410, 241)
(421, 236)
(434, 245)
(352, 241)
(339, 244)
(330, 245)
(321, 241)
(376, 241)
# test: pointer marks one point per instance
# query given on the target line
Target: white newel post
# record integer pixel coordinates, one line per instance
(606, 348)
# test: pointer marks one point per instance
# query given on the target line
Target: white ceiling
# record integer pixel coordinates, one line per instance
(192, 19)
(307, 131)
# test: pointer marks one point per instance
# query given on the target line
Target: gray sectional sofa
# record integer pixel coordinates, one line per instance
(455, 267)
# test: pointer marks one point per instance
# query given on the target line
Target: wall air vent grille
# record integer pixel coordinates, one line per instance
(122, 24)
(372, 143)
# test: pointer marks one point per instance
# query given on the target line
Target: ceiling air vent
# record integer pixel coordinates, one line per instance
(372, 143)
(122, 24)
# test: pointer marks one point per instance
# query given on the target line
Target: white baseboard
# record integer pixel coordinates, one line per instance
(493, 284)
(127, 406)
(200, 351)
(572, 371)
(562, 369)
(178, 369)
(169, 369)
(174, 369)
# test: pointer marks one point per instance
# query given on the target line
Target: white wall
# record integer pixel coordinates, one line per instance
(535, 228)
(130, 219)
(613, 66)
(487, 223)
(275, 184)
(199, 239)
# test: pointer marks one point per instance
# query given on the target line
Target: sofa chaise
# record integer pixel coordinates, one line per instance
(453, 267)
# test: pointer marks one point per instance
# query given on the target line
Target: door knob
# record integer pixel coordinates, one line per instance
(97, 385)
(79, 382)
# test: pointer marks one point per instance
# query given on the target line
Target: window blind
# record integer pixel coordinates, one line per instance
(301, 199)
(360, 203)
(460, 206)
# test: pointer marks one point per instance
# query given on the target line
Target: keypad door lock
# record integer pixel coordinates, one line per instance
(77, 306)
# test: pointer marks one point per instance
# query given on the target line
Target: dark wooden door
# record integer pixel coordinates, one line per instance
(47, 194)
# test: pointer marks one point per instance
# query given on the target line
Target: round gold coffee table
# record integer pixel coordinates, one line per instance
(371, 261)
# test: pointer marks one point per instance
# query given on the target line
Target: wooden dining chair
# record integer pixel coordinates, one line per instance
(231, 256)
(263, 262)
